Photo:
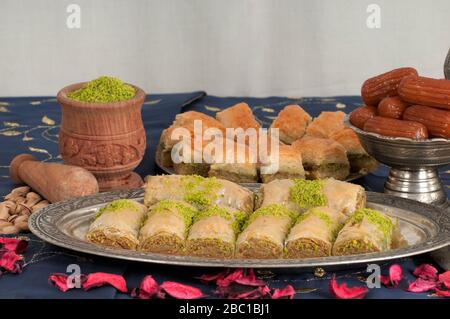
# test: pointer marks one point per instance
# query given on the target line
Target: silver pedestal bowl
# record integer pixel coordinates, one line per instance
(414, 165)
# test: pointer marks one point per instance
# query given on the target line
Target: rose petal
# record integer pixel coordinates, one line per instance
(249, 279)
(442, 293)
(394, 278)
(98, 279)
(17, 245)
(287, 291)
(181, 291)
(444, 279)
(421, 285)
(426, 271)
(148, 288)
(230, 278)
(59, 281)
(9, 260)
(343, 292)
(213, 277)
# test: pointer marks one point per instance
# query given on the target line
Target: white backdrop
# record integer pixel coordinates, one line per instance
(228, 47)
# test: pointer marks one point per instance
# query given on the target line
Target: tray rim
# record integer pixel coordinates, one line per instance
(47, 218)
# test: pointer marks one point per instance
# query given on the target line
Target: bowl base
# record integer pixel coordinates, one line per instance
(131, 181)
(420, 184)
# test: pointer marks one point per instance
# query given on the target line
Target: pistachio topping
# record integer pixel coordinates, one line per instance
(307, 193)
(200, 191)
(104, 89)
(271, 210)
(184, 210)
(237, 218)
(118, 205)
(383, 223)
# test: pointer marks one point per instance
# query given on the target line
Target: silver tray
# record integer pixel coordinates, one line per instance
(170, 171)
(424, 228)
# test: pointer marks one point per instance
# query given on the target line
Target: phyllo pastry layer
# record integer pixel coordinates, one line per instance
(238, 116)
(314, 233)
(264, 233)
(326, 124)
(289, 165)
(117, 224)
(213, 232)
(199, 191)
(360, 161)
(366, 231)
(165, 227)
(291, 122)
(323, 158)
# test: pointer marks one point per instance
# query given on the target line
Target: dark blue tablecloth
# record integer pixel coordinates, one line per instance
(31, 125)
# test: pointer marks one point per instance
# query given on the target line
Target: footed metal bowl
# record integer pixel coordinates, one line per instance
(413, 163)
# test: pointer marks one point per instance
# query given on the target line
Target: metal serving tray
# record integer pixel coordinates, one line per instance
(424, 228)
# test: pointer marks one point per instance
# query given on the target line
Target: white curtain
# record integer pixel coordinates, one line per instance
(226, 47)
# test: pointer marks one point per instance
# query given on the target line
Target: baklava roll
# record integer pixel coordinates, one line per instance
(291, 122)
(165, 227)
(289, 165)
(360, 161)
(190, 164)
(314, 233)
(323, 158)
(213, 232)
(300, 195)
(117, 224)
(366, 231)
(264, 233)
(326, 124)
(238, 116)
(199, 191)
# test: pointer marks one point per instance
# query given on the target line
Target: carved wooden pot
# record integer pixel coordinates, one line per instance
(108, 139)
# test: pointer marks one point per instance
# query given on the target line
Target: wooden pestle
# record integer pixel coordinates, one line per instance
(56, 182)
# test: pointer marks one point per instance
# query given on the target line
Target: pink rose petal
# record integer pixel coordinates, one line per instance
(249, 279)
(59, 281)
(442, 293)
(99, 279)
(9, 260)
(287, 291)
(148, 288)
(181, 291)
(254, 293)
(421, 285)
(394, 278)
(444, 279)
(19, 246)
(343, 292)
(426, 271)
(230, 278)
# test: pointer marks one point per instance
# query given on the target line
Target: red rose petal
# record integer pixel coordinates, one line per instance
(230, 278)
(426, 271)
(343, 292)
(394, 278)
(148, 288)
(444, 279)
(98, 279)
(13, 244)
(255, 293)
(9, 261)
(213, 277)
(421, 285)
(59, 281)
(249, 279)
(287, 291)
(442, 293)
(181, 291)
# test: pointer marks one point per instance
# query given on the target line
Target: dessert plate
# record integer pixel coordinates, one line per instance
(424, 228)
